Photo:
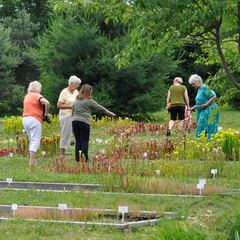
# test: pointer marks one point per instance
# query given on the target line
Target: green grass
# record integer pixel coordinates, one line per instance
(228, 117)
(18, 169)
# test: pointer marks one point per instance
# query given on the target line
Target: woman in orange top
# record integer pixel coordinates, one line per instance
(33, 116)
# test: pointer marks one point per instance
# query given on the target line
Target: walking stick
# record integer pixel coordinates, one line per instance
(184, 136)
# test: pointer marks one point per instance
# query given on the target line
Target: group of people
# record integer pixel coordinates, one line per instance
(206, 107)
(76, 107)
(74, 114)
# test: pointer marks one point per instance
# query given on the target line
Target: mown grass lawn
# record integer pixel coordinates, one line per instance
(17, 168)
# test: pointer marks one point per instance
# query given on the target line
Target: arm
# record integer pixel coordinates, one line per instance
(193, 108)
(61, 105)
(168, 98)
(186, 98)
(46, 103)
(209, 102)
(110, 113)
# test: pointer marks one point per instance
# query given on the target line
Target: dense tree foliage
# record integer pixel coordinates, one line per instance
(38, 9)
(211, 24)
(22, 33)
(79, 44)
(9, 59)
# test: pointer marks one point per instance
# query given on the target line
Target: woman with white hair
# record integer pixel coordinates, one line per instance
(65, 102)
(207, 110)
(178, 96)
(33, 116)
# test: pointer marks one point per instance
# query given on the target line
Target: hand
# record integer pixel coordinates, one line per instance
(112, 114)
(48, 115)
(203, 106)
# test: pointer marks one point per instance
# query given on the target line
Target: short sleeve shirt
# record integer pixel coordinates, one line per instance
(67, 98)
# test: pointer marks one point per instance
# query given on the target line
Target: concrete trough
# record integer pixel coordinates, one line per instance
(150, 216)
(50, 186)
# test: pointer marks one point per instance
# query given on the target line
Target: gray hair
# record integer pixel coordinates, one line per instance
(74, 79)
(34, 86)
(195, 78)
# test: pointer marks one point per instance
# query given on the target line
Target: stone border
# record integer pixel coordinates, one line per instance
(50, 186)
(7, 209)
(68, 186)
(122, 226)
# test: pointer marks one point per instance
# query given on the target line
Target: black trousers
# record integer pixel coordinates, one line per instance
(81, 132)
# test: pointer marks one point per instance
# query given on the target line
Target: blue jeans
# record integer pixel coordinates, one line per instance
(81, 132)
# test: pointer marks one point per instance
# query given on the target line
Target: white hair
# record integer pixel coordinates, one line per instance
(74, 79)
(195, 78)
(34, 86)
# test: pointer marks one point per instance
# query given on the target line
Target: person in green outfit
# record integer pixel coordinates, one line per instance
(178, 96)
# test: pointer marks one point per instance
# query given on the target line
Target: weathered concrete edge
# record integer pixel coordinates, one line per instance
(51, 186)
(128, 225)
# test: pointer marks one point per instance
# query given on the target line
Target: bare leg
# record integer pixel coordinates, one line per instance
(171, 124)
(32, 156)
(62, 152)
(180, 124)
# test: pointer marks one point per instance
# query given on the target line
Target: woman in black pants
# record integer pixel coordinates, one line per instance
(178, 96)
(81, 112)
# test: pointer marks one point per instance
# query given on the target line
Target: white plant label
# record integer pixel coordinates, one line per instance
(158, 172)
(202, 181)
(200, 186)
(14, 207)
(10, 154)
(219, 128)
(9, 180)
(145, 154)
(123, 209)
(62, 206)
(43, 153)
(214, 171)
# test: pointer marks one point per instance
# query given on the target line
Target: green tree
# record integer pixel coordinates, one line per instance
(76, 44)
(11, 96)
(38, 9)
(22, 32)
(212, 24)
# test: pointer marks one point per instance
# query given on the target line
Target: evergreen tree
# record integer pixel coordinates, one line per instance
(11, 96)
(37, 8)
(75, 45)
(23, 34)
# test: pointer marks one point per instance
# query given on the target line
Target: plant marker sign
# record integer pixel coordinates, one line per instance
(62, 206)
(14, 208)
(202, 181)
(200, 186)
(214, 171)
(123, 209)
(9, 180)
(158, 172)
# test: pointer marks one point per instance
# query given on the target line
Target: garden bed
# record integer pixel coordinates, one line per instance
(190, 191)
(83, 217)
